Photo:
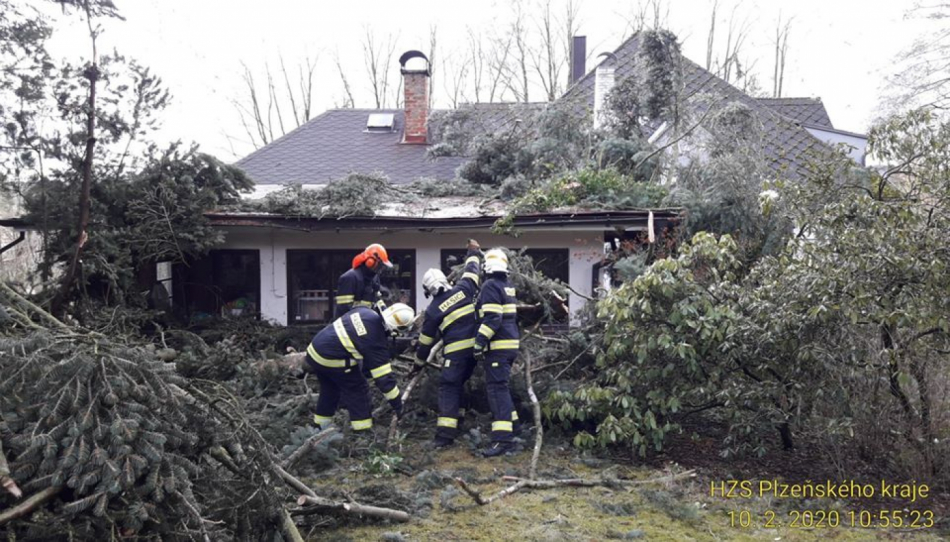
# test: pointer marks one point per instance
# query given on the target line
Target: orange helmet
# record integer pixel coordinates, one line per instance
(374, 255)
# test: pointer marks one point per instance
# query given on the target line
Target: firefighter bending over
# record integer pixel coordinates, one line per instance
(356, 343)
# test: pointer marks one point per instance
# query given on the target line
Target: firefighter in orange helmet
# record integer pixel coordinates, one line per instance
(359, 287)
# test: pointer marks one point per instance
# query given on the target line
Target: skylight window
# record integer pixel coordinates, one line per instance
(380, 122)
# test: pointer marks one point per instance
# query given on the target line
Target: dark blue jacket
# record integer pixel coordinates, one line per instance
(356, 288)
(357, 340)
(498, 313)
(452, 314)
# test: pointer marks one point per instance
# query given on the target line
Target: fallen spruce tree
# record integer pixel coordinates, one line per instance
(104, 439)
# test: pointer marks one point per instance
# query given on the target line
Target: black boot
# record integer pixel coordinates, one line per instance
(499, 448)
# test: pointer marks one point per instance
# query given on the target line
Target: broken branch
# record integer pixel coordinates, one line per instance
(29, 505)
(522, 483)
(319, 504)
(308, 445)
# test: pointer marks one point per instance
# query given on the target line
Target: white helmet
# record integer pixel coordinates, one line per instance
(496, 260)
(433, 281)
(398, 317)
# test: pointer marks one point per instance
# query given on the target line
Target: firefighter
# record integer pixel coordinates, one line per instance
(496, 345)
(359, 286)
(451, 314)
(341, 353)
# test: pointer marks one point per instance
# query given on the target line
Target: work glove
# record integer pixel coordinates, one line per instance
(479, 352)
(396, 405)
(420, 362)
(473, 245)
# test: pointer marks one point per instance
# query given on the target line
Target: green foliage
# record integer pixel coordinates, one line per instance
(354, 195)
(556, 140)
(588, 188)
(802, 339)
(642, 101)
(722, 191)
(435, 188)
(154, 214)
(381, 464)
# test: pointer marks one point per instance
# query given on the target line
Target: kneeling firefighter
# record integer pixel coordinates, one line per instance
(497, 344)
(451, 314)
(355, 343)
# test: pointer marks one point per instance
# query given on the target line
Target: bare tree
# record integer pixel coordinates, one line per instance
(710, 41)
(433, 38)
(518, 81)
(922, 77)
(377, 58)
(736, 36)
(476, 62)
(264, 111)
(499, 56)
(455, 70)
(348, 101)
(646, 14)
(781, 50)
(546, 62)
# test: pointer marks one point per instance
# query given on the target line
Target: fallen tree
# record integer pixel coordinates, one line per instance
(105, 437)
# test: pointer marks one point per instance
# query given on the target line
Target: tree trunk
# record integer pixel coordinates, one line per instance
(92, 74)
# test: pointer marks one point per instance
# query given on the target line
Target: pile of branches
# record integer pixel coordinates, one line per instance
(100, 437)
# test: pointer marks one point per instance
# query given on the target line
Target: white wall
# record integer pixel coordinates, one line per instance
(856, 143)
(584, 247)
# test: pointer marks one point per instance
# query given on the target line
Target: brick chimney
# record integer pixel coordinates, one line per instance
(415, 84)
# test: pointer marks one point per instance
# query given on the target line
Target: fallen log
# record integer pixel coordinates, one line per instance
(523, 483)
(317, 504)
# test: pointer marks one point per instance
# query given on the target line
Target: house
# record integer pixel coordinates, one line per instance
(286, 267)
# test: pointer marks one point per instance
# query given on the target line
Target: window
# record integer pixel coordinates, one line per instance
(236, 277)
(312, 277)
(553, 263)
(224, 283)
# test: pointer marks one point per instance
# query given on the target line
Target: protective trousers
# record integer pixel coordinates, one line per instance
(497, 373)
(342, 385)
(457, 370)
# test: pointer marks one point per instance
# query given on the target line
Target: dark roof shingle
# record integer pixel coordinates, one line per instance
(334, 144)
(802, 110)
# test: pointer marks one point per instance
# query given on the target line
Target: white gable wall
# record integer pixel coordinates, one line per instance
(856, 143)
(585, 249)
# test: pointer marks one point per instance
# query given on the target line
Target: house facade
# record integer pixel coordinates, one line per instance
(286, 267)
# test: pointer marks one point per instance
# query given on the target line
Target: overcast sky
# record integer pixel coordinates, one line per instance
(839, 50)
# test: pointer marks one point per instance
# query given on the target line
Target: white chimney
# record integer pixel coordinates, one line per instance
(603, 84)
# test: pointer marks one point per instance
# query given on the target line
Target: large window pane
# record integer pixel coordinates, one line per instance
(312, 277)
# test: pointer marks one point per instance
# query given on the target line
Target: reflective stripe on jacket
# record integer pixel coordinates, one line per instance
(498, 314)
(356, 288)
(358, 337)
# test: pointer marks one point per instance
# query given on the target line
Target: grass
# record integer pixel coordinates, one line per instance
(682, 511)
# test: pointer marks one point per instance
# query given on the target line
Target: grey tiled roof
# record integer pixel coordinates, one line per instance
(786, 144)
(334, 144)
(803, 110)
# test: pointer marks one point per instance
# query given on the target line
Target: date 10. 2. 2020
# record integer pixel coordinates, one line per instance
(830, 519)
